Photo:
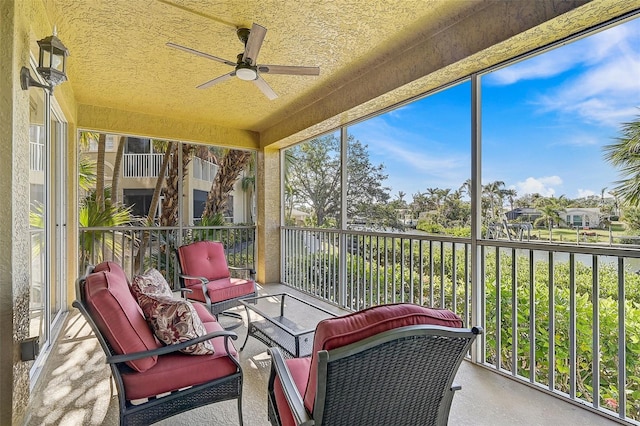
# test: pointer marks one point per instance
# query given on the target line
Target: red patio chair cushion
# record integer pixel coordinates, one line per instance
(336, 332)
(203, 259)
(112, 267)
(119, 317)
(177, 370)
(223, 289)
(299, 368)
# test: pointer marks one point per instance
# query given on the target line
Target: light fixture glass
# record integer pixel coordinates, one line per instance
(52, 64)
(52, 59)
(247, 74)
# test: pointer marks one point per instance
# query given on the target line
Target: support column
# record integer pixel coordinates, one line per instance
(269, 216)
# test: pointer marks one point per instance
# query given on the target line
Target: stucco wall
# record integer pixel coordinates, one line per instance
(23, 23)
(14, 210)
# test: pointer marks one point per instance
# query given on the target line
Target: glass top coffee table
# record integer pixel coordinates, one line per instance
(284, 321)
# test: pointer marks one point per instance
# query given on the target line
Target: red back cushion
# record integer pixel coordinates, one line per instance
(203, 259)
(113, 267)
(341, 331)
(119, 318)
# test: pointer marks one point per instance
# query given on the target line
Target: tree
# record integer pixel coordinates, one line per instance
(549, 214)
(495, 194)
(314, 173)
(117, 168)
(230, 168)
(625, 155)
(102, 141)
(170, 202)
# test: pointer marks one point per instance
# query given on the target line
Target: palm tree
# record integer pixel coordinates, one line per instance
(233, 163)
(494, 193)
(511, 195)
(549, 215)
(94, 243)
(625, 155)
(86, 173)
(117, 166)
(102, 141)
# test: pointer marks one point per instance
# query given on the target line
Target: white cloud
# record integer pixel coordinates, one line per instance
(592, 50)
(543, 186)
(403, 147)
(604, 87)
(584, 193)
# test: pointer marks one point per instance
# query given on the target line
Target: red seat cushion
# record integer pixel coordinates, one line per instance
(336, 332)
(223, 289)
(118, 317)
(177, 370)
(299, 368)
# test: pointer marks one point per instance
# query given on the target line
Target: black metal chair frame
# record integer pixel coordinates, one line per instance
(402, 376)
(156, 409)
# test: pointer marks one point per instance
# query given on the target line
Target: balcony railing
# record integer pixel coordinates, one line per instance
(36, 156)
(546, 308)
(140, 248)
(204, 170)
(148, 166)
(141, 165)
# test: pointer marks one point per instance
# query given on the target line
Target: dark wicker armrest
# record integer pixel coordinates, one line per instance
(116, 359)
(294, 399)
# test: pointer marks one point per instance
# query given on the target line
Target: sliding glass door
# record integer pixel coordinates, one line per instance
(47, 144)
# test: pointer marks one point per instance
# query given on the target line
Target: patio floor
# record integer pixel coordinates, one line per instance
(76, 390)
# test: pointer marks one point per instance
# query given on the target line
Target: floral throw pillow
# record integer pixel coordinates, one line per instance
(151, 283)
(175, 321)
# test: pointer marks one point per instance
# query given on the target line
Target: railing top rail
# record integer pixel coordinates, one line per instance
(613, 250)
(445, 238)
(617, 251)
(160, 228)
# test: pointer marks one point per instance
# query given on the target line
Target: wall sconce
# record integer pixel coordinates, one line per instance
(52, 63)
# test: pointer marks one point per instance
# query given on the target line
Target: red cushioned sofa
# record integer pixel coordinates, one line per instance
(386, 365)
(144, 368)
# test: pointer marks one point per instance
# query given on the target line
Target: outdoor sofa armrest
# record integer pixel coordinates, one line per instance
(294, 399)
(117, 359)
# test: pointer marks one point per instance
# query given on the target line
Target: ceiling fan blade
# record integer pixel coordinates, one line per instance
(266, 89)
(289, 70)
(216, 80)
(254, 43)
(204, 55)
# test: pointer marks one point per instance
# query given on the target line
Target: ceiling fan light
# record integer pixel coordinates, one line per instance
(247, 74)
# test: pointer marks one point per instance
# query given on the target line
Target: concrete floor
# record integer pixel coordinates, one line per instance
(76, 389)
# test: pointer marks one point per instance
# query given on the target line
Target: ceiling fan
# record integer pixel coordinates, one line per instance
(245, 67)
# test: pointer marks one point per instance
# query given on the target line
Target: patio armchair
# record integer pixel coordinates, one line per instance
(206, 277)
(155, 381)
(386, 365)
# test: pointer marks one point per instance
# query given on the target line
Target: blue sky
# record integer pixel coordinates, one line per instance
(544, 123)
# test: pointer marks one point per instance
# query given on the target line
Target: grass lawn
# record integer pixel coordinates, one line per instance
(592, 235)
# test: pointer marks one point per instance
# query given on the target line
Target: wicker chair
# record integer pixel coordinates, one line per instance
(155, 382)
(387, 365)
(206, 277)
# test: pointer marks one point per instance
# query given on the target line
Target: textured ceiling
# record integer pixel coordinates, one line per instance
(119, 58)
